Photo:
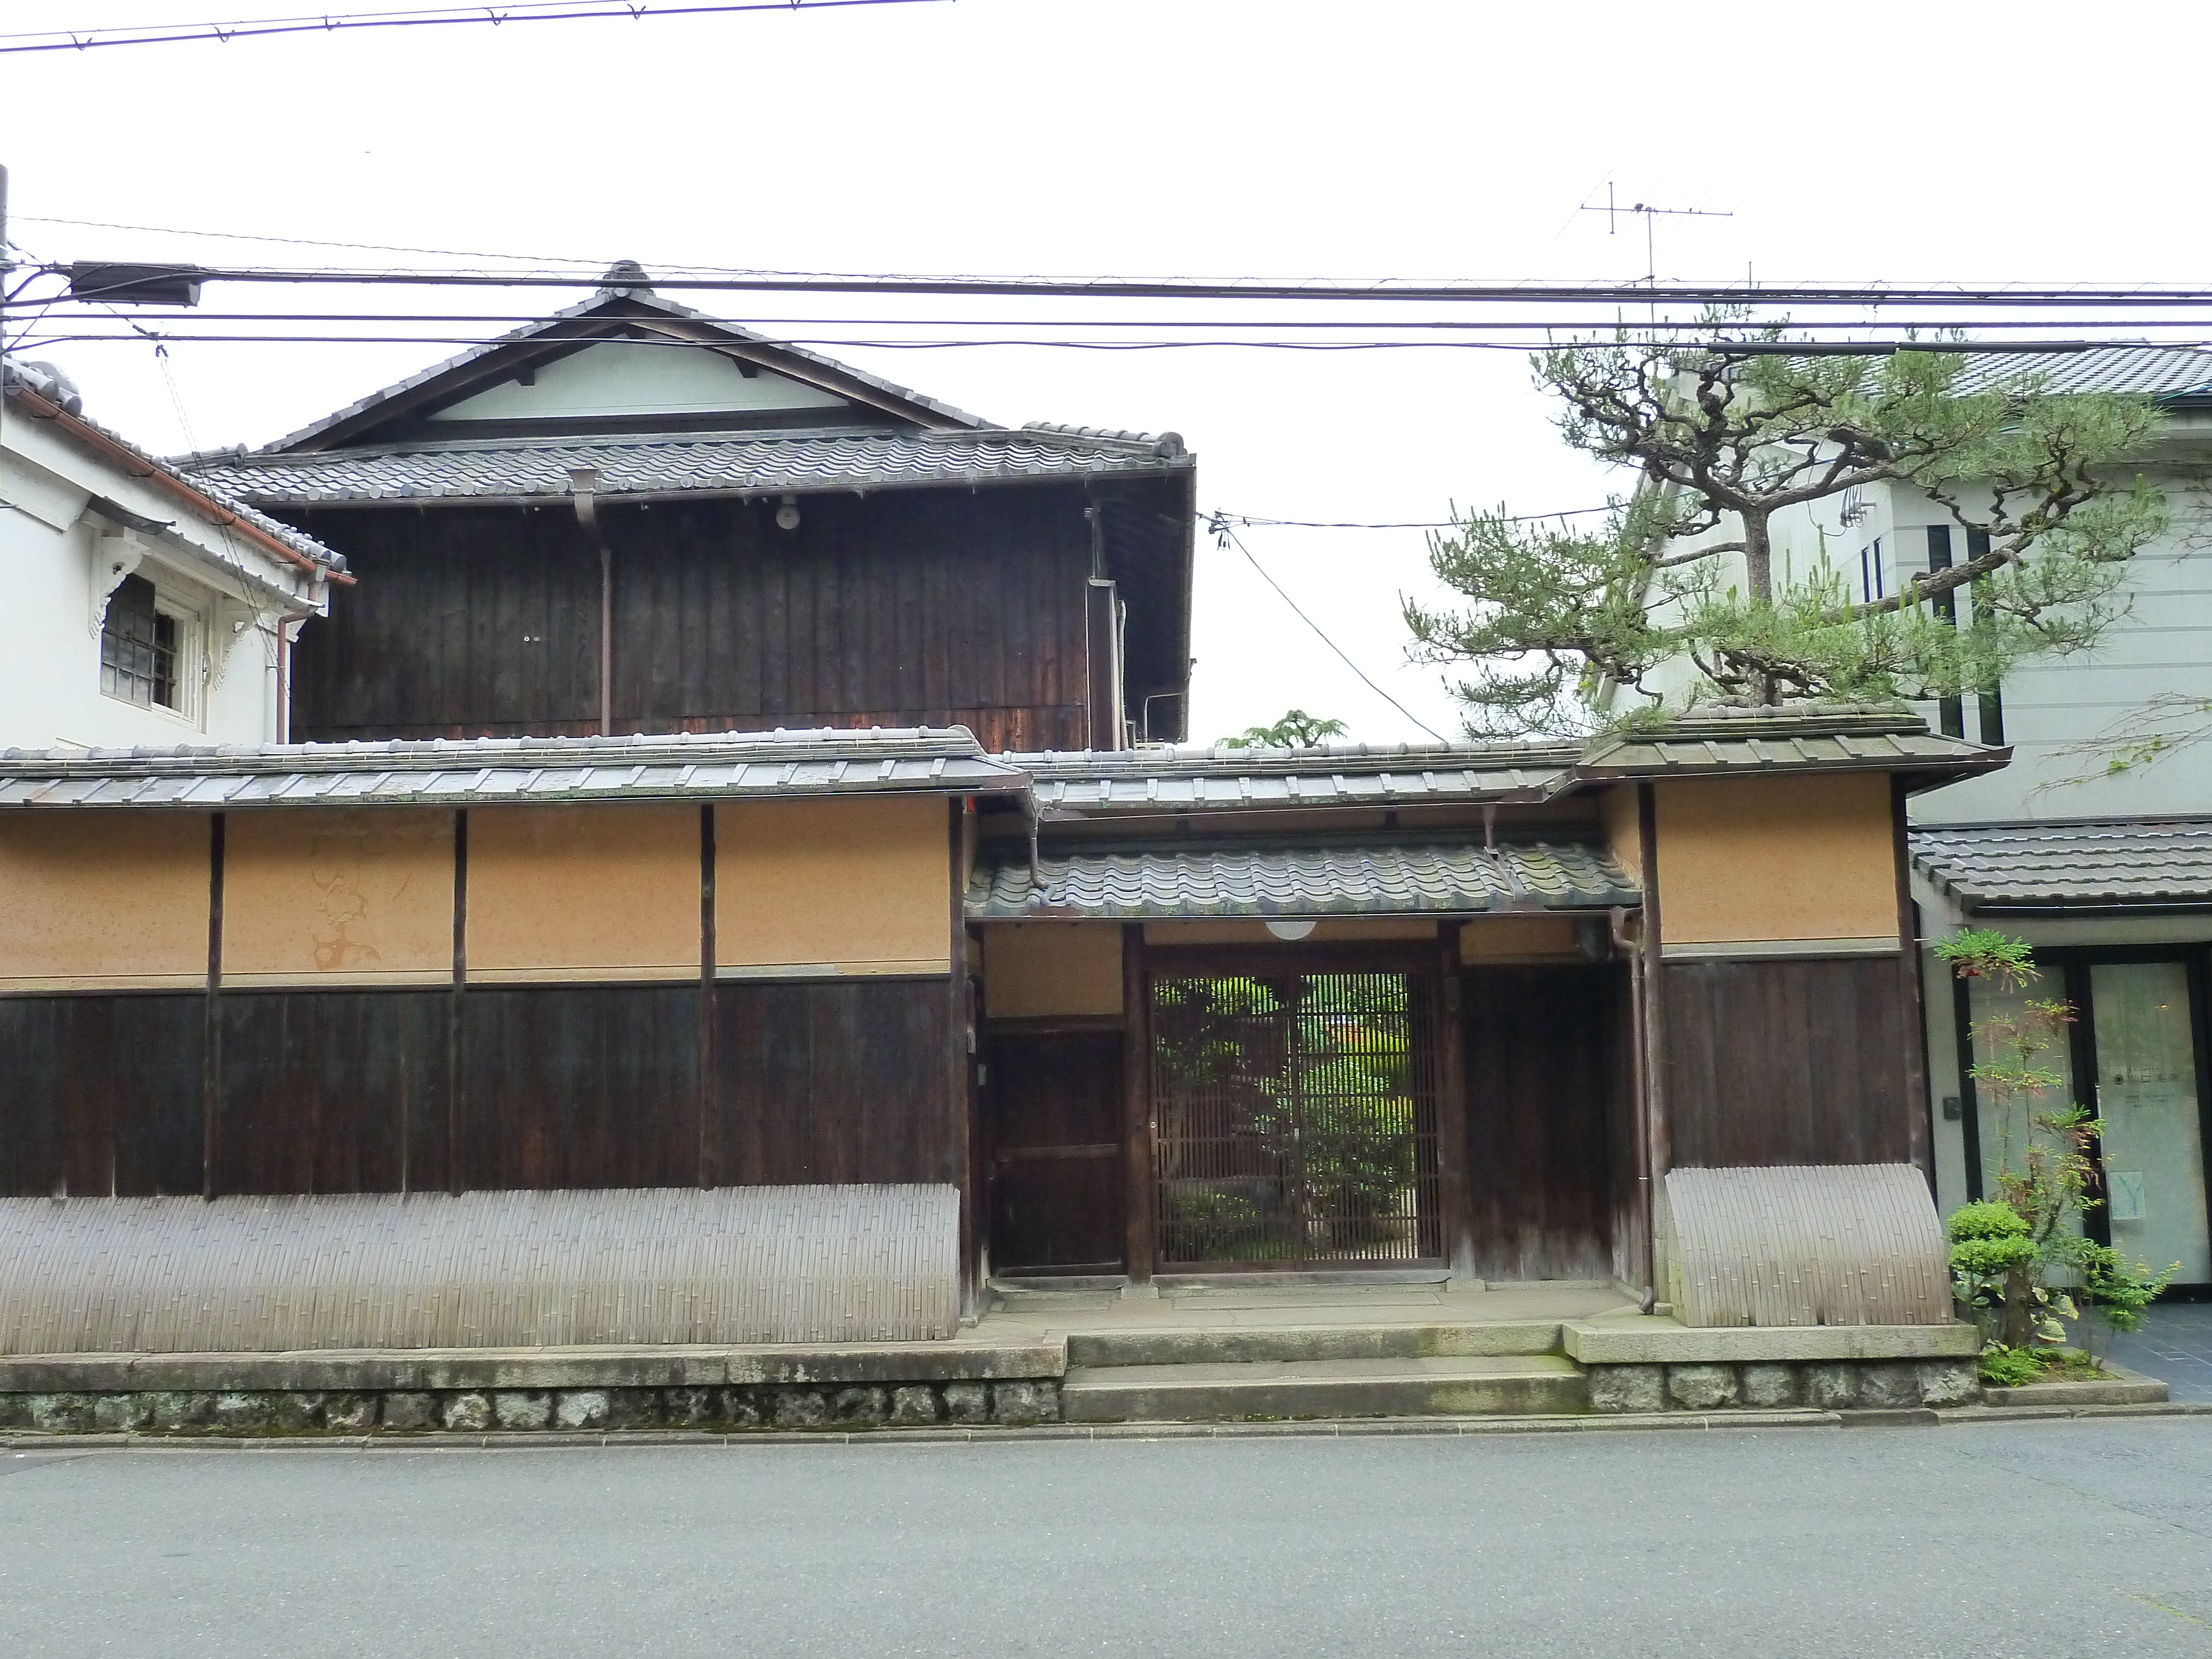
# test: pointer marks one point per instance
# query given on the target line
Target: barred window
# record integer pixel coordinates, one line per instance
(138, 648)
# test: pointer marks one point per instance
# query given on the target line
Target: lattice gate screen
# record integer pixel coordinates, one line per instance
(1295, 1119)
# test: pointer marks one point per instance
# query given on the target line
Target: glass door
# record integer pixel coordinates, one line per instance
(2149, 1114)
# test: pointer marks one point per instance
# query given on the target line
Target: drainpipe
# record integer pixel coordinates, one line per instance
(583, 485)
(1632, 948)
(1035, 815)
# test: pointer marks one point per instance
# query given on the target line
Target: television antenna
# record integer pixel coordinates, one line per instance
(1651, 215)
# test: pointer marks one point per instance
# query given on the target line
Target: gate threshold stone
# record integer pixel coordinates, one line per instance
(1515, 1384)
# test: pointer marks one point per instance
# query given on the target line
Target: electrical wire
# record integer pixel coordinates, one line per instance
(1224, 533)
(1941, 297)
(1244, 520)
(514, 11)
(1806, 348)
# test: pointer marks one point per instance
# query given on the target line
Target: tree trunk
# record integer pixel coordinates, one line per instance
(2019, 1310)
(1757, 558)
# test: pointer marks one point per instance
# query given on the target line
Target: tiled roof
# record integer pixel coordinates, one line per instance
(2121, 864)
(488, 771)
(1712, 741)
(716, 463)
(1326, 775)
(1716, 741)
(1385, 880)
(16, 379)
(2153, 371)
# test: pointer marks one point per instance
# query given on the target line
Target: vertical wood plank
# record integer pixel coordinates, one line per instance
(1143, 1189)
(1452, 1145)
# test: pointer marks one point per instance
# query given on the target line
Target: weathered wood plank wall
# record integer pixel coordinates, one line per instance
(930, 607)
(1788, 1061)
(1544, 1056)
(561, 1086)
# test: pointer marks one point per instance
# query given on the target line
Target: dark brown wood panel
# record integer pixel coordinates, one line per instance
(841, 1080)
(333, 1091)
(1542, 1050)
(593, 1085)
(1054, 1101)
(101, 1094)
(921, 607)
(1788, 1061)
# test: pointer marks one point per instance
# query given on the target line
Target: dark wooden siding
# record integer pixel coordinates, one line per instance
(101, 1095)
(332, 1091)
(561, 1086)
(1057, 1177)
(1543, 1057)
(833, 1081)
(926, 607)
(1784, 1061)
(579, 1086)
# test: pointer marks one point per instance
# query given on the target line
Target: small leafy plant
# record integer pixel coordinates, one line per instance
(2018, 1255)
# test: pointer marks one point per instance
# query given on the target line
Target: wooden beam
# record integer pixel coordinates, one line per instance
(1142, 1185)
(1456, 1232)
(1658, 1139)
(1920, 1109)
(211, 1051)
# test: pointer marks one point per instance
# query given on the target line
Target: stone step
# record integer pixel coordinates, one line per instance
(1219, 1345)
(1450, 1385)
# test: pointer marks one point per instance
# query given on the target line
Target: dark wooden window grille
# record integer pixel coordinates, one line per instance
(1295, 1119)
(138, 648)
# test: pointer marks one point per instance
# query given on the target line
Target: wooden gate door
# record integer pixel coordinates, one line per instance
(1295, 1116)
(1054, 1101)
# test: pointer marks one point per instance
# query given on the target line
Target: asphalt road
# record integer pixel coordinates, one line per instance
(2044, 1539)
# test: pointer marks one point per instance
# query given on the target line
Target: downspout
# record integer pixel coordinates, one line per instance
(583, 485)
(1646, 1222)
(1035, 816)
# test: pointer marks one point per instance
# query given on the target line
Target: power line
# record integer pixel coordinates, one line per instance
(1793, 348)
(1944, 297)
(1244, 520)
(513, 11)
(1224, 531)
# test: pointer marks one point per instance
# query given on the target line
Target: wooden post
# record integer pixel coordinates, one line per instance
(709, 1147)
(456, 1035)
(1658, 1139)
(211, 1034)
(960, 1067)
(1142, 1186)
(1456, 1228)
(1920, 1109)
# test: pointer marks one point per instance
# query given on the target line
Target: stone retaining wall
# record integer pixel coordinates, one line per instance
(1829, 1385)
(473, 1410)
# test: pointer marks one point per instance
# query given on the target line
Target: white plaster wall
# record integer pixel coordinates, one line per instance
(49, 693)
(630, 378)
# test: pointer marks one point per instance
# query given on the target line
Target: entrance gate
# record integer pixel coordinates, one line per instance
(1295, 1118)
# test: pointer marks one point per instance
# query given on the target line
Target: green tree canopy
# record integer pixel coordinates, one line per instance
(1725, 434)
(1295, 730)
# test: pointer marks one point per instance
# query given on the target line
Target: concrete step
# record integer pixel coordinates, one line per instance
(1451, 1385)
(1232, 1345)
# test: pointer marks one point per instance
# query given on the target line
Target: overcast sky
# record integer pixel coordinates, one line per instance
(1218, 138)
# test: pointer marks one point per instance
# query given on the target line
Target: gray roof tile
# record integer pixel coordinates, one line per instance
(2154, 370)
(2120, 864)
(712, 462)
(1138, 884)
(478, 771)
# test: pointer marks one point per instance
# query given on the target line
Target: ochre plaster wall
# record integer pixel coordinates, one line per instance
(1623, 834)
(583, 893)
(1776, 860)
(853, 886)
(1516, 938)
(344, 897)
(92, 900)
(1038, 969)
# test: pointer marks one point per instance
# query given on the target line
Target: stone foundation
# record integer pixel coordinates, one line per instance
(523, 1411)
(1785, 1385)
